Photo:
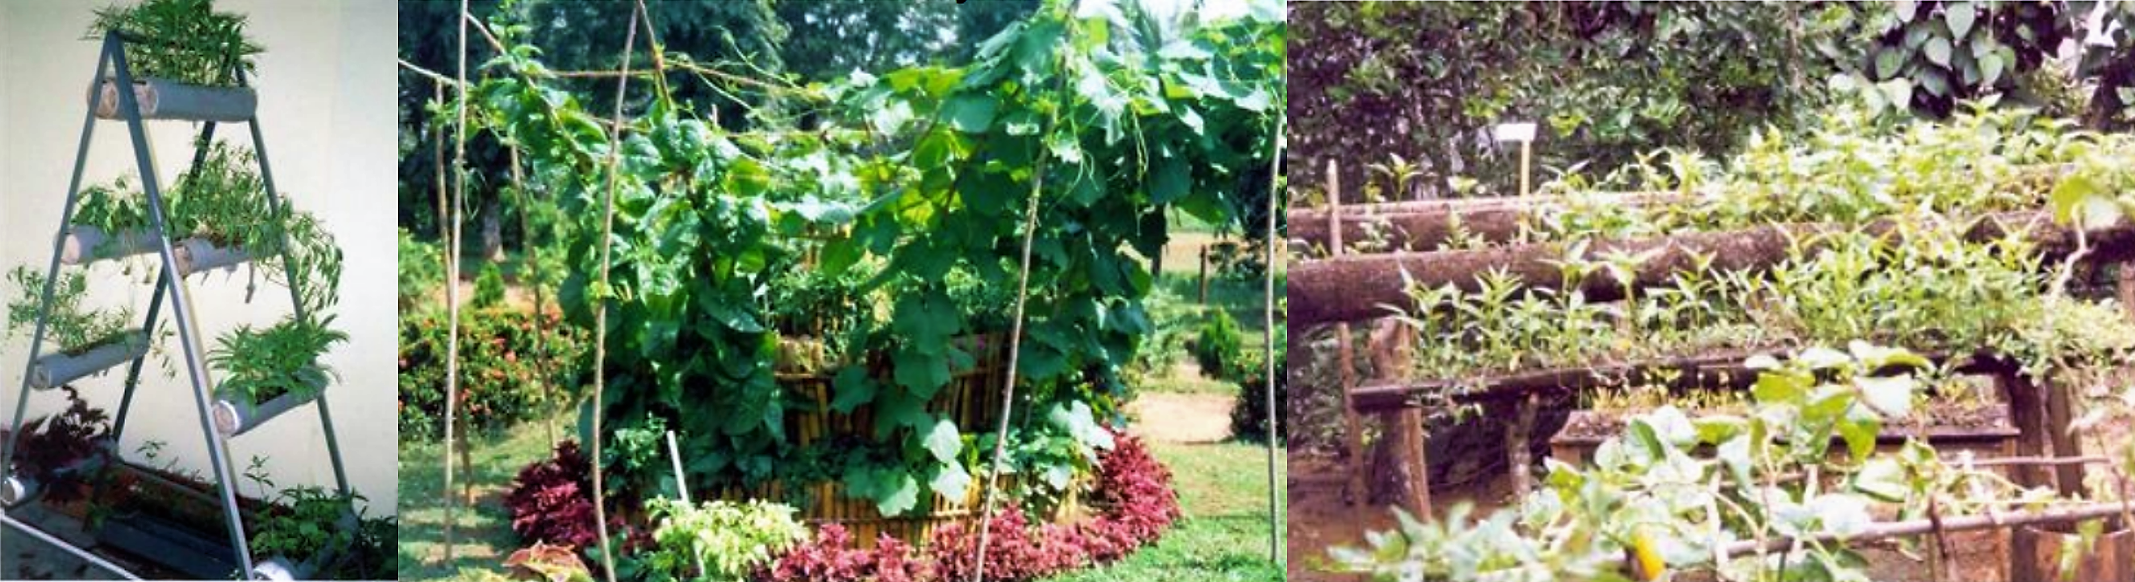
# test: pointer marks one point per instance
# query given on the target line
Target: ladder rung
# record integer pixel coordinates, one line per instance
(54, 370)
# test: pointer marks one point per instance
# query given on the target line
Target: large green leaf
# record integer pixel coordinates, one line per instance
(943, 441)
(970, 113)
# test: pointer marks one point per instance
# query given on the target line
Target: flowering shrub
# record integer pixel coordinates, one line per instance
(1133, 494)
(501, 376)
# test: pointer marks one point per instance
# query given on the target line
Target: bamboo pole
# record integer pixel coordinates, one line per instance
(452, 284)
(1275, 550)
(600, 311)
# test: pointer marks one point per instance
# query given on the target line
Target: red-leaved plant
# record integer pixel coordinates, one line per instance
(551, 501)
(1133, 496)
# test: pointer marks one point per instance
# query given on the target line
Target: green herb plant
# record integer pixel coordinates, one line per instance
(261, 364)
(1679, 489)
(71, 327)
(718, 541)
(181, 40)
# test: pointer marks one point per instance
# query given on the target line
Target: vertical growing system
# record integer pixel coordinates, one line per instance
(177, 60)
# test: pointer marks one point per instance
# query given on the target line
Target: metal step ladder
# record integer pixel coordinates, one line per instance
(43, 373)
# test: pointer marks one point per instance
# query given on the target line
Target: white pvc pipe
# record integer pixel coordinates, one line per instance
(85, 244)
(166, 99)
(235, 418)
(196, 255)
(53, 370)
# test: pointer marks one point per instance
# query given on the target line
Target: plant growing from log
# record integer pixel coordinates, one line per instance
(181, 40)
(1714, 493)
(259, 365)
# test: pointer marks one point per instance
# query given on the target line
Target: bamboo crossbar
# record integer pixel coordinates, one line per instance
(2087, 512)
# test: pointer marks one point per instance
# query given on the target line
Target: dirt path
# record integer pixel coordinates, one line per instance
(1182, 418)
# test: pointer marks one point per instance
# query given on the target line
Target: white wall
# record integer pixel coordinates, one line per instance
(326, 90)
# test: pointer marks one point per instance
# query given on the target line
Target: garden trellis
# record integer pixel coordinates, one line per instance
(931, 204)
(123, 96)
(1631, 270)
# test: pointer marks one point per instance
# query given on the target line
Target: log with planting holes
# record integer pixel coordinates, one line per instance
(1359, 287)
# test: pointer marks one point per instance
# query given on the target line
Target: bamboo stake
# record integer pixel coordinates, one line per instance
(452, 284)
(600, 311)
(1275, 513)
(1015, 349)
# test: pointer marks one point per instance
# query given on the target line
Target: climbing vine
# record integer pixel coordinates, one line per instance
(913, 177)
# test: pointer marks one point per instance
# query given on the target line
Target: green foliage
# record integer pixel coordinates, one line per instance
(259, 365)
(112, 208)
(730, 540)
(1602, 79)
(422, 270)
(1249, 418)
(1934, 55)
(69, 325)
(488, 287)
(181, 40)
(311, 523)
(1673, 490)
(1219, 346)
(514, 367)
(923, 171)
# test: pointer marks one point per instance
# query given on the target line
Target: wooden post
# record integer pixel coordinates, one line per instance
(2025, 412)
(2068, 477)
(2125, 277)
(1204, 275)
(1417, 496)
(1353, 431)
(1518, 443)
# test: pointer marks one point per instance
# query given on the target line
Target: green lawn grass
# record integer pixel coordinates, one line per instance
(1223, 490)
(483, 536)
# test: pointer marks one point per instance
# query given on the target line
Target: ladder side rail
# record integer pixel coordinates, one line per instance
(296, 299)
(218, 450)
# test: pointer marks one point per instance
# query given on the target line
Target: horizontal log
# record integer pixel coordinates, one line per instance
(1360, 287)
(1720, 370)
(1424, 225)
(1426, 229)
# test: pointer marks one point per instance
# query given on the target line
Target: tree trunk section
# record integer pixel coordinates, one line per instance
(1364, 286)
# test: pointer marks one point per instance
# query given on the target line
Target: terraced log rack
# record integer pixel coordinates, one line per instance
(1345, 288)
(207, 106)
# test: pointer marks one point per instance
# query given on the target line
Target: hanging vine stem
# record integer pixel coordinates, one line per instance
(600, 310)
(452, 282)
(1275, 553)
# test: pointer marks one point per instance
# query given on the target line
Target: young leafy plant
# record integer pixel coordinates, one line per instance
(69, 325)
(181, 40)
(719, 541)
(260, 365)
